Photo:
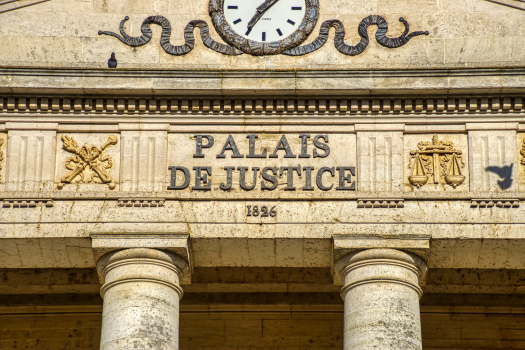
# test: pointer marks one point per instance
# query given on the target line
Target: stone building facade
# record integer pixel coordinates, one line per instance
(357, 184)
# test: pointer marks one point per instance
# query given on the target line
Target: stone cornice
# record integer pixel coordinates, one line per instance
(121, 82)
(96, 114)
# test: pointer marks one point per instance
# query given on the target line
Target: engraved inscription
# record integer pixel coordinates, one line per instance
(263, 212)
(244, 163)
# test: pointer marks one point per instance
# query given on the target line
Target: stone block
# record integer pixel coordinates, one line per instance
(143, 155)
(30, 160)
(183, 147)
(493, 161)
(379, 161)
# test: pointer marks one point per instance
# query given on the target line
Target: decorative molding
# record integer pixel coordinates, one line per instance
(490, 203)
(339, 40)
(396, 106)
(141, 202)
(89, 163)
(436, 162)
(27, 203)
(381, 203)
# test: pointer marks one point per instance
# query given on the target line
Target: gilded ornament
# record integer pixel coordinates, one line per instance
(436, 162)
(90, 163)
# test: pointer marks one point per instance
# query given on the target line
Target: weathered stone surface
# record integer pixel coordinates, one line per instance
(381, 294)
(261, 281)
(59, 36)
(141, 299)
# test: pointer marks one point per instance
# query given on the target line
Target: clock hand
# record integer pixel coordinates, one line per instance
(265, 6)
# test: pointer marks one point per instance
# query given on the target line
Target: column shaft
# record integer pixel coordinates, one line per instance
(381, 294)
(141, 299)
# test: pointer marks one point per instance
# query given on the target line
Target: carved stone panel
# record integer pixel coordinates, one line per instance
(288, 165)
(30, 161)
(493, 160)
(521, 161)
(3, 147)
(379, 161)
(143, 160)
(88, 162)
(436, 162)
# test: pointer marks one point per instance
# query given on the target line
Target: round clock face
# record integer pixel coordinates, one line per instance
(264, 27)
(264, 21)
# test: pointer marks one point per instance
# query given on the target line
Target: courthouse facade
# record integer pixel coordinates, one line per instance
(279, 174)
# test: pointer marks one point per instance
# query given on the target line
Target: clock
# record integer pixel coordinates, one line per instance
(264, 27)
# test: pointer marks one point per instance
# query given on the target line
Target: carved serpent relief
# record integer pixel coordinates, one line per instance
(436, 161)
(288, 46)
(166, 33)
(339, 40)
(89, 164)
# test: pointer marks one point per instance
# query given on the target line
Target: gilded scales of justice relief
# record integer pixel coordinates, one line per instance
(269, 27)
(436, 162)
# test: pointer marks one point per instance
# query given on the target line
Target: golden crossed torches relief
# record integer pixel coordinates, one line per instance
(435, 162)
(89, 163)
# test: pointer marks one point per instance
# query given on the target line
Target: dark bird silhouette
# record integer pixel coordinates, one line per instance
(112, 62)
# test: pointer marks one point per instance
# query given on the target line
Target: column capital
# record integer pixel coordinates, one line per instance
(169, 248)
(346, 245)
(380, 266)
(146, 265)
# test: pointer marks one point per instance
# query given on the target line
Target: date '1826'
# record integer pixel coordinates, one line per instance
(264, 212)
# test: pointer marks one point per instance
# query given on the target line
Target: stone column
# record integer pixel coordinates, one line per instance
(381, 294)
(141, 294)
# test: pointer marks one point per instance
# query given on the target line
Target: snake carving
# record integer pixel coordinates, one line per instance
(166, 33)
(208, 41)
(339, 40)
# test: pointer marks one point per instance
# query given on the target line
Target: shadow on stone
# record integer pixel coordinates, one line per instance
(505, 173)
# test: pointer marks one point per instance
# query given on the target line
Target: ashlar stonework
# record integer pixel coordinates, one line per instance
(279, 174)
